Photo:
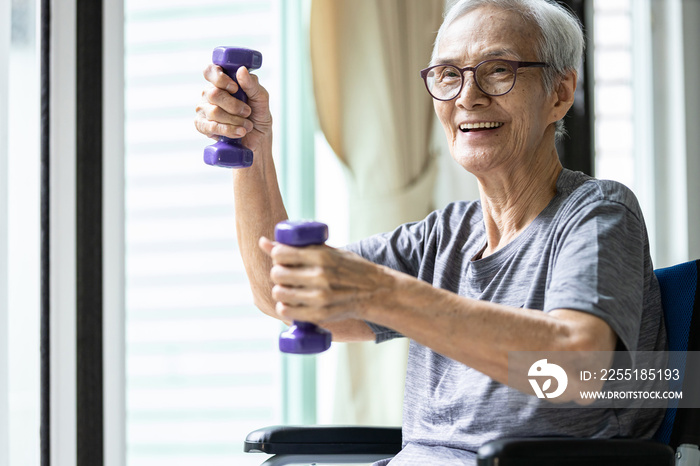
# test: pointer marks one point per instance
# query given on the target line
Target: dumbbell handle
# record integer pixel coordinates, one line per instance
(303, 337)
(228, 152)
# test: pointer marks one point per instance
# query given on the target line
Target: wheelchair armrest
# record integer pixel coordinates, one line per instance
(324, 440)
(574, 452)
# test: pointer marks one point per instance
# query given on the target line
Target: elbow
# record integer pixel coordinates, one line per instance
(265, 305)
(261, 303)
(583, 342)
(262, 299)
(587, 352)
(585, 333)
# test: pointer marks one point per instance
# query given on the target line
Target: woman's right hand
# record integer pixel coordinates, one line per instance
(221, 114)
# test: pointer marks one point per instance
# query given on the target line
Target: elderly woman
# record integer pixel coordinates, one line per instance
(546, 259)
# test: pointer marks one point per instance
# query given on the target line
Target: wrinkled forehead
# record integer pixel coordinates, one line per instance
(488, 32)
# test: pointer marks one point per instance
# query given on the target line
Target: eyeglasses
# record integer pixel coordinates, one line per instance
(492, 77)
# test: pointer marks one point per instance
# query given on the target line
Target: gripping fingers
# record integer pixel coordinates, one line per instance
(289, 312)
(315, 255)
(316, 298)
(249, 83)
(215, 75)
(212, 128)
(216, 114)
(299, 276)
(227, 102)
(258, 97)
(316, 314)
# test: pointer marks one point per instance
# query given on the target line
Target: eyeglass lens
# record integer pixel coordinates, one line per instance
(494, 77)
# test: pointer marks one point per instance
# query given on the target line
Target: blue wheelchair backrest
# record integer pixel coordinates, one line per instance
(679, 297)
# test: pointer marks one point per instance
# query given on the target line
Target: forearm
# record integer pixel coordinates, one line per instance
(258, 207)
(481, 334)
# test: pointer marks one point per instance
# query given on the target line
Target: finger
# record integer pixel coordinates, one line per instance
(216, 75)
(316, 277)
(212, 121)
(313, 297)
(312, 314)
(213, 129)
(288, 312)
(217, 114)
(298, 256)
(257, 95)
(266, 245)
(221, 98)
(308, 277)
(249, 83)
(300, 296)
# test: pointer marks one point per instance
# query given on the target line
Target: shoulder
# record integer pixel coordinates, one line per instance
(460, 211)
(580, 191)
(456, 218)
(411, 245)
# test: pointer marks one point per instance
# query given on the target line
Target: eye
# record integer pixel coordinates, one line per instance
(447, 75)
(495, 70)
(497, 67)
(450, 73)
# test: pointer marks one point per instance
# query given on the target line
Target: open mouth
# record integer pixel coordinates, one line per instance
(483, 126)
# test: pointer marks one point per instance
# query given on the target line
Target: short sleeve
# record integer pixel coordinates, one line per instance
(598, 267)
(402, 250)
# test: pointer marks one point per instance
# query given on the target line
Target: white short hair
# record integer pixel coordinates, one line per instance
(561, 43)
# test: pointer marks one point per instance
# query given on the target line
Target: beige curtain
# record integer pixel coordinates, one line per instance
(377, 117)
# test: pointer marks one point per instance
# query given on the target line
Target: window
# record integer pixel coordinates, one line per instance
(629, 145)
(202, 366)
(614, 105)
(19, 234)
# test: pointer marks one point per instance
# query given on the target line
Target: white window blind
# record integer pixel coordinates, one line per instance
(202, 363)
(20, 227)
(614, 104)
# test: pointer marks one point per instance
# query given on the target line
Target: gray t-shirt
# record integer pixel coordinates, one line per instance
(587, 250)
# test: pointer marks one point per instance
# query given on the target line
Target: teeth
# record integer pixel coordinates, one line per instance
(487, 124)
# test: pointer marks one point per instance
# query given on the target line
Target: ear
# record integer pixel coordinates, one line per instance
(564, 96)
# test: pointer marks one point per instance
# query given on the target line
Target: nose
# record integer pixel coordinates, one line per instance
(471, 96)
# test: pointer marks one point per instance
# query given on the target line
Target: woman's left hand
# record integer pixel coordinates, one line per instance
(321, 284)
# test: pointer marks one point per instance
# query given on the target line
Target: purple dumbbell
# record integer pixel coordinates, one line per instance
(229, 152)
(303, 337)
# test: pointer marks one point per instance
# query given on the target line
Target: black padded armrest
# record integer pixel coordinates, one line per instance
(322, 440)
(574, 452)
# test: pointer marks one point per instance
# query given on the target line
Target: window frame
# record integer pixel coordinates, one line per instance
(5, 28)
(297, 180)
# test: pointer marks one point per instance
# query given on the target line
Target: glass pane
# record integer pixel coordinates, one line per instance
(20, 239)
(202, 363)
(614, 109)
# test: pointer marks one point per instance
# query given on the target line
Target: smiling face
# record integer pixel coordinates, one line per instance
(483, 132)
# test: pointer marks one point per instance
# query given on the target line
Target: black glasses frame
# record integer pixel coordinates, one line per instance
(512, 63)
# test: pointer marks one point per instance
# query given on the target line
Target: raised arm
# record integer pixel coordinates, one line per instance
(257, 198)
